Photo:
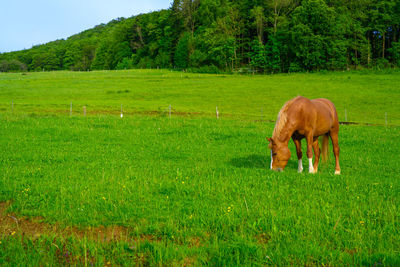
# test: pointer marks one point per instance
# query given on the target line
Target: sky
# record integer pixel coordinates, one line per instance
(24, 23)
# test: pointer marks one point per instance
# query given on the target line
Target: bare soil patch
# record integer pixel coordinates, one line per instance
(11, 224)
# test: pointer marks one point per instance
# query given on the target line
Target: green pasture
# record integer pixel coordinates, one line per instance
(193, 190)
(364, 96)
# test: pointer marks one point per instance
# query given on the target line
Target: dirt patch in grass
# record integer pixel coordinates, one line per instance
(195, 242)
(263, 238)
(34, 227)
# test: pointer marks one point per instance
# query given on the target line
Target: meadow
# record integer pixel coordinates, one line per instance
(147, 189)
(364, 96)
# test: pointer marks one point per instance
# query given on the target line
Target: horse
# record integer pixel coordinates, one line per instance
(301, 118)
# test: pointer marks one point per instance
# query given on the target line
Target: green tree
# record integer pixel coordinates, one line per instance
(197, 58)
(313, 34)
(291, 35)
(13, 65)
(258, 56)
(163, 60)
(395, 53)
(181, 58)
(273, 55)
(259, 21)
(124, 64)
(381, 15)
(100, 61)
(72, 57)
(221, 39)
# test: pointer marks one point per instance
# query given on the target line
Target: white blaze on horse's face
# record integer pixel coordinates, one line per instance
(280, 155)
(272, 160)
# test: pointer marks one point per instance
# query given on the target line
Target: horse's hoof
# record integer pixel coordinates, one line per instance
(337, 172)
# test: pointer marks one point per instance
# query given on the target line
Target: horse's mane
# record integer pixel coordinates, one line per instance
(282, 118)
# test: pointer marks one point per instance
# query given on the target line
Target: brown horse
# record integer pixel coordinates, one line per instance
(304, 118)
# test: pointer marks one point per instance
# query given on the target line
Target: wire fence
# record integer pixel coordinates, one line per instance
(170, 111)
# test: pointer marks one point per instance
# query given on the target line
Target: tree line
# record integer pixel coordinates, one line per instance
(225, 35)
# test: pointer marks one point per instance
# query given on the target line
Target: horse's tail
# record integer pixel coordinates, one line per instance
(324, 150)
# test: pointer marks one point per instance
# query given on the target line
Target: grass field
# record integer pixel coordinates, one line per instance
(365, 96)
(192, 190)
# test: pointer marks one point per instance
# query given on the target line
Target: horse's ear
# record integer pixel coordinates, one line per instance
(271, 141)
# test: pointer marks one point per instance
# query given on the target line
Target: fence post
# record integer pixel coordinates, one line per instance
(84, 110)
(216, 110)
(121, 111)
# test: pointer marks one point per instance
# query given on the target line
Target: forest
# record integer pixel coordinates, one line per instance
(265, 36)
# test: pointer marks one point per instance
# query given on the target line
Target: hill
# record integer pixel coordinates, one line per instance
(211, 35)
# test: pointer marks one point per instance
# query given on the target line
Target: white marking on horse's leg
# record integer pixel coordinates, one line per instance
(310, 166)
(337, 172)
(272, 160)
(300, 169)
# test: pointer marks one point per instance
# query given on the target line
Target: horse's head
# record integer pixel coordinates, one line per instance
(280, 155)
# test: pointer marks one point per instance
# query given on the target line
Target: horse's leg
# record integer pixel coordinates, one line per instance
(309, 138)
(317, 153)
(297, 143)
(335, 142)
